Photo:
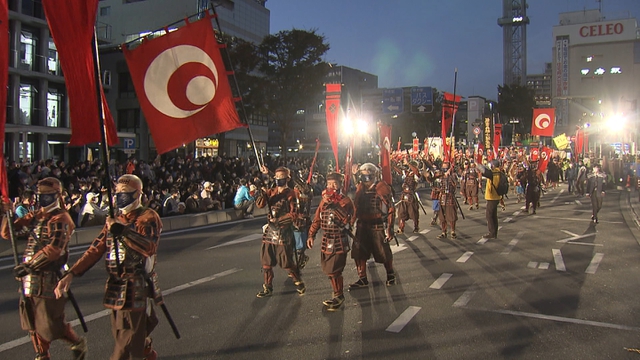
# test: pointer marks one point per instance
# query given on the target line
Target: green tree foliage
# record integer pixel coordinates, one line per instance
(516, 102)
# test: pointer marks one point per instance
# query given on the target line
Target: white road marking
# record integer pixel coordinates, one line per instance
(440, 281)
(397, 249)
(482, 241)
(573, 237)
(544, 266)
(557, 257)
(578, 202)
(24, 340)
(508, 219)
(412, 238)
(241, 240)
(398, 324)
(509, 247)
(560, 319)
(595, 262)
(499, 227)
(517, 213)
(425, 231)
(575, 219)
(523, 207)
(557, 196)
(465, 257)
(532, 265)
(464, 299)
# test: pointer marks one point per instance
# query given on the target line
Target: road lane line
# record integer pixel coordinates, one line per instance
(544, 266)
(398, 324)
(517, 213)
(241, 240)
(24, 340)
(412, 238)
(595, 262)
(425, 231)
(482, 241)
(557, 257)
(397, 249)
(569, 233)
(464, 299)
(532, 265)
(557, 196)
(465, 257)
(441, 281)
(559, 319)
(510, 247)
(508, 219)
(575, 219)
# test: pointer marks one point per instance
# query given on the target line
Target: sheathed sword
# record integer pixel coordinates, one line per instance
(420, 202)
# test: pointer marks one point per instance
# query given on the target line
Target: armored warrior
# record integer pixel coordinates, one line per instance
(596, 182)
(448, 213)
(375, 215)
(470, 184)
(44, 258)
(129, 243)
(434, 179)
(278, 244)
(408, 204)
(533, 186)
(302, 221)
(333, 216)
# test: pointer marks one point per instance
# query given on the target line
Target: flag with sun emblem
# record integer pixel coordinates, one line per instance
(183, 86)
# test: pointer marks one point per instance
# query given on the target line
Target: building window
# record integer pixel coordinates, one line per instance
(54, 101)
(125, 86)
(28, 44)
(105, 11)
(128, 120)
(26, 103)
(52, 59)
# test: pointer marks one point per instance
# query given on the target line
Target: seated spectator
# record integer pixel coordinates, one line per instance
(27, 204)
(244, 200)
(192, 204)
(92, 214)
(170, 206)
(207, 201)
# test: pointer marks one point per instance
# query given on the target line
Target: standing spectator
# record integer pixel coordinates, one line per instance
(27, 204)
(595, 190)
(570, 175)
(492, 173)
(244, 200)
(207, 201)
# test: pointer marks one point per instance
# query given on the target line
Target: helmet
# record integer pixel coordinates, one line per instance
(49, 185)
(369, 167)
(128, 183)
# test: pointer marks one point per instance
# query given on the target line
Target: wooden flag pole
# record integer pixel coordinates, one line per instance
(453, 119)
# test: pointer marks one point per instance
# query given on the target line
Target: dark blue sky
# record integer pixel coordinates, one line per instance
(421, 42)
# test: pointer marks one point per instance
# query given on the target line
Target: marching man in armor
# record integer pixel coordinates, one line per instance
(129, 243)
(448, 213)
(47, 251)
(278, 244)
(333, 216)
(470, 184)
(375, 214)
(302, 221)
(408, 205)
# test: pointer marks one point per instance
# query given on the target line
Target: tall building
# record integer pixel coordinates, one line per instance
(596, 68)
(38, 125)
(540, 84)
(514, 22)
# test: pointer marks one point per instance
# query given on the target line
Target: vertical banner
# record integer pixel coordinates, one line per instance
(487, 133)
(497, 137)
(385, 151)
(415, 147)
(4, 74)
(543, 122)
(449, 107)
(545, 155)
(332, 111)
(480, 153)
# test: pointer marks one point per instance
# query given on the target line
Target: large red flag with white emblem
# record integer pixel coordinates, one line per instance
(543, 122)
(545, 156)
(183, 86)
(72, 27)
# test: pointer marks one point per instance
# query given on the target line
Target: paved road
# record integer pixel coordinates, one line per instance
(551, 285)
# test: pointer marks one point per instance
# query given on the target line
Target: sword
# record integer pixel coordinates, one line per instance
(167, 315)
(420, 202)
(74, 303)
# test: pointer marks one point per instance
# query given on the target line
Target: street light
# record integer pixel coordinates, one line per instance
(616, 122)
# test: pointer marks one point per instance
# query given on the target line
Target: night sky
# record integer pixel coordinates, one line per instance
(421, 42)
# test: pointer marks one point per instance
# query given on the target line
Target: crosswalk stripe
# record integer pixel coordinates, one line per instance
(465, 257)
(595, 262)
(557, 257)
(464, 299)
(439, 283)
(398, 324)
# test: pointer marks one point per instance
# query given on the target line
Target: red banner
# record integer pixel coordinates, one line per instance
(582, 141)
(497, 137)
(385, 152)
(534, 154)
(449, 107)
(4, 73)
(332, 111)
(543, 122)
(480, 153)
(183, 86)
(545, 155)
(71, 23)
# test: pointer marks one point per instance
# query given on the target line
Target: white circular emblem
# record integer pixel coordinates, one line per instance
(534, 152)
(199, 91)
(542, 121)
(543, 155)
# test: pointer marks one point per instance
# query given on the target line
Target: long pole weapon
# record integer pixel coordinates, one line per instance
(313, 163)
(453, 120)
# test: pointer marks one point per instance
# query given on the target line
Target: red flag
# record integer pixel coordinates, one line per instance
(449, 107)
(183, 86)
(4, 73)
(543, 122)
(480, 153)
(497, 137)
(332, 111)
(385, 151)
(582, 141)
(545, 155)
(72, 26)
(534, 154)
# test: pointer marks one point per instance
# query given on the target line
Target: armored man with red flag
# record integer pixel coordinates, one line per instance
(333, 217)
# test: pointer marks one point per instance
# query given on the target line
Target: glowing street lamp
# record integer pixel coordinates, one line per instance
(616, 123)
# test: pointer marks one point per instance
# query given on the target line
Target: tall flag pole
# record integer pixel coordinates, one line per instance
(4, 76)
(455, 107)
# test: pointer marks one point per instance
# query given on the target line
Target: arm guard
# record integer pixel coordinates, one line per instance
(144, 239)
(92, 255)
(262, 199)
(59, 229)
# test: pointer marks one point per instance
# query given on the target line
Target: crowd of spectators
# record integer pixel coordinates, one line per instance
(172, 186)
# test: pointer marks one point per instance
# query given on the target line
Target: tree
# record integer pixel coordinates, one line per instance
(515, 103)
(293, 72)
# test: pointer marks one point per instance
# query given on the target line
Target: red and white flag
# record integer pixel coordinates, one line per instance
(332, 114)
(534, 154)
(480, 153)
(543, 122)
(545, 156)
(72, 27)
(183, 86)
(4, 74)
(385, 152)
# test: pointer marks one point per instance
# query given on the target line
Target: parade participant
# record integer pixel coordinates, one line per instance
(520, 180)
(470, 184)
(333, 216)
(533, 187)
(596, 182)
(302, 221)
(128, 243)
(375, 215)
(434, 179)
(47, 251)
(448, 213)
(503, 167)
(581, 178)
(492, 174)
(278, 244)
(408, 204)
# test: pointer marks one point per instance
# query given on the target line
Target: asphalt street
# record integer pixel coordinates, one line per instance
(552, 285)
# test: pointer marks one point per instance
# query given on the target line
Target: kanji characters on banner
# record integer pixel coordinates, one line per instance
(332, 112)
(72, 23)
(4, 73)
(183, 86)
(543, 122)
(385, 151)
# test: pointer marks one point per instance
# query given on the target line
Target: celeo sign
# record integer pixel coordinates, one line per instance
(602, 29)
